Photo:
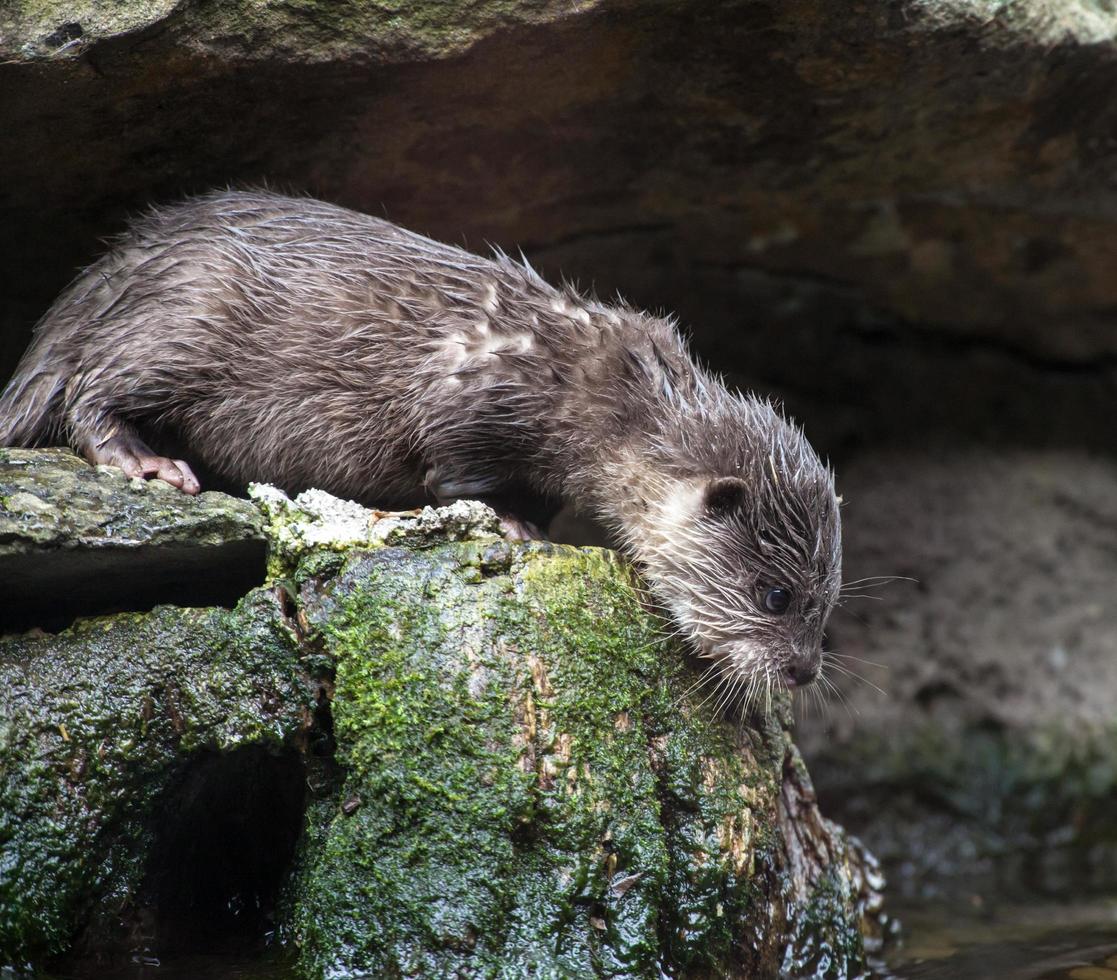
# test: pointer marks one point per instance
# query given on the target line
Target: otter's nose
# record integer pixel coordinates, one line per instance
(799, 673)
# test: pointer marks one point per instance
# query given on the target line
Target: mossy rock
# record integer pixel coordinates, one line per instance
(510, 770)
(98, 726)
(529, 788)
(79, 540)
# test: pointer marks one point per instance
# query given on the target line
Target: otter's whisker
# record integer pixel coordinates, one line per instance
(711, 673)
(841, 607)
(831, 688)
(878, 580)
(820, 699)
(854, 675)
(850, 656)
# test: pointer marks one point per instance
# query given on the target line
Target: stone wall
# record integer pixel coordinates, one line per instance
(898, 215)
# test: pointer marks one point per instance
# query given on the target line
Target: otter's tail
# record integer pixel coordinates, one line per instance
(28, 406)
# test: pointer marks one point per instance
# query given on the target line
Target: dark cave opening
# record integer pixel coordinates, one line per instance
(226, 838)
(224, 841)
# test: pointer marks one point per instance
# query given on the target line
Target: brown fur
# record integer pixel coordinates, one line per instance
(291, 341)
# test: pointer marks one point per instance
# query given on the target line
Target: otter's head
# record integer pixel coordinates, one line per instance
(749, 562)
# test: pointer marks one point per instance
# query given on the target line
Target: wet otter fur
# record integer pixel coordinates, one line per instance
(291, 341)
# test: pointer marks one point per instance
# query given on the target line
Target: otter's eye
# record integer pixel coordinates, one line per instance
(777, 600)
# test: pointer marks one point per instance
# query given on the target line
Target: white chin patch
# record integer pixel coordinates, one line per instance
(740, 655)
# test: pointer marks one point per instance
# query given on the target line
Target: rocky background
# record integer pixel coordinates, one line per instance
(898, 215)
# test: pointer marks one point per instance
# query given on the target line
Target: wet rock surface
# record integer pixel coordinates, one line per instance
(544, 721)
(543, 744)
(419, 747)
(100, 728)
(77, 540)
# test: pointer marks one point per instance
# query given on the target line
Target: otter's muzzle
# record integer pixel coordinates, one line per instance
(800, 670)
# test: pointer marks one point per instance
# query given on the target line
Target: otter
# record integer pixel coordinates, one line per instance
(295, 342)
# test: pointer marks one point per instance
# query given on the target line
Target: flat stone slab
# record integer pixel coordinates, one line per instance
(77, 540)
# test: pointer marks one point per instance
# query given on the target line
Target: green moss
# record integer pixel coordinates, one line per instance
(527, 787)
(522, 784)
(95, 724)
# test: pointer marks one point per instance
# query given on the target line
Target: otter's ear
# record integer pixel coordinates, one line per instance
(724, 495)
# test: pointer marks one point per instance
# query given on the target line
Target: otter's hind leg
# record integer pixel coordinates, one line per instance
(93, 419)
(118, 444)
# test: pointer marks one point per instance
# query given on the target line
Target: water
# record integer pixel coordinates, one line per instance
(972, 939)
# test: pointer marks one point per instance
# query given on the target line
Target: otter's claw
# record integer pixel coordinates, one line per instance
(134, 457)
